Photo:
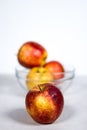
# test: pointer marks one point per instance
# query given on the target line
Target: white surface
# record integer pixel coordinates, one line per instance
(13, 115)
(59, 25)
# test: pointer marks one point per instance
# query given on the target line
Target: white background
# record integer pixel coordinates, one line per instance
(59, 25)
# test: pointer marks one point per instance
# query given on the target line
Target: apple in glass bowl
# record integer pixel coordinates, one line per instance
(38, 75)
(63, 83)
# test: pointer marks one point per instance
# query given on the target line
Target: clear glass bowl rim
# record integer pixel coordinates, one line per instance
(21, 73)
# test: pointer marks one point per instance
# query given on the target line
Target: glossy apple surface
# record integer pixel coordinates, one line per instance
(56, 68)
(46, 104)
(38, 75)
(31, 54)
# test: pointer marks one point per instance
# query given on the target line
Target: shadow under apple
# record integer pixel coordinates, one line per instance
(67, 113)
(20, 115)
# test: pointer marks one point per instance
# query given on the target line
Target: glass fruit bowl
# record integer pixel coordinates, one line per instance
(62, 83)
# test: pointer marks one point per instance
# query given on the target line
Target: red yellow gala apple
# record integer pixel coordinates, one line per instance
(38, 75)
(46, 104)
(31, 54)
(56, 68)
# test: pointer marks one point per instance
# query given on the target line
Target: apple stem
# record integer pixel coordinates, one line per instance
(39, 87)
